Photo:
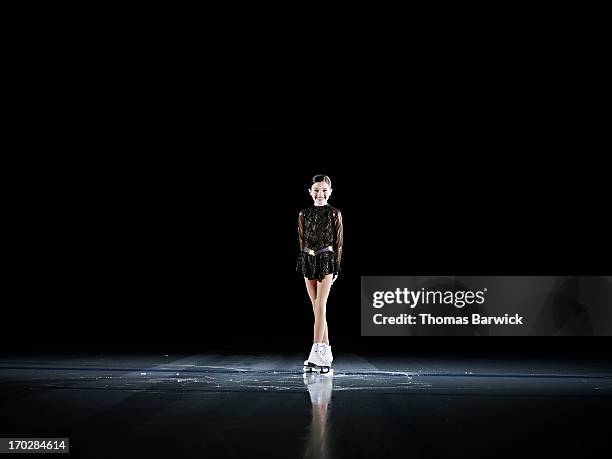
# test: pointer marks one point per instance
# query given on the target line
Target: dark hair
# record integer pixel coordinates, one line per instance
(320, 178)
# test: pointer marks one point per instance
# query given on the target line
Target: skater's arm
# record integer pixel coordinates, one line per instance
(339, 236)
(301, 231)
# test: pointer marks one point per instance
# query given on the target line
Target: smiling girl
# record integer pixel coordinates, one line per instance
(320, 232)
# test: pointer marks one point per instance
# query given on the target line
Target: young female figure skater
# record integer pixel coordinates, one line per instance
(320, 234)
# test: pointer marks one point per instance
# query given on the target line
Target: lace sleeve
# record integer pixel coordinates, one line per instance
(339, 235)
(301, 230)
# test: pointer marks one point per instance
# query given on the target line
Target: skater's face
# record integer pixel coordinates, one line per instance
(320, 193)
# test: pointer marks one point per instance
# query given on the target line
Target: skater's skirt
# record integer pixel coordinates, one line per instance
(317, 266)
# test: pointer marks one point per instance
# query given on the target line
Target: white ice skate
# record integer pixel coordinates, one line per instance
(318, 360)
(330, 356)
(312, 351)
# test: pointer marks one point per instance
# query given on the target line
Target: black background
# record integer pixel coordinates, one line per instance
(160, 210)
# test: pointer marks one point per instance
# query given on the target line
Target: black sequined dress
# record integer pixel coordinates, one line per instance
(320, 227)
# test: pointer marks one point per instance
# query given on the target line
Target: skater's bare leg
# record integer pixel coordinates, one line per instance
(311, 287)
(325, 337)
(323, 289)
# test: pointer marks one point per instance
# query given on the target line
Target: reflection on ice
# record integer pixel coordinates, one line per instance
(319, 387)
(318, 441)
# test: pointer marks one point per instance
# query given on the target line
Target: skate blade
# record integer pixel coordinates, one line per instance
(311, 368)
